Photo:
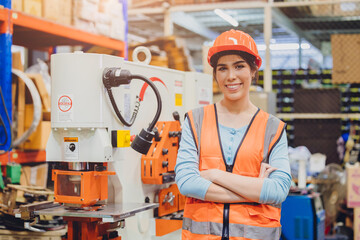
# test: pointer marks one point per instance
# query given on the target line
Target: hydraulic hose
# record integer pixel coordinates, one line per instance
(118, 114)
(158, 99)
(114, 77)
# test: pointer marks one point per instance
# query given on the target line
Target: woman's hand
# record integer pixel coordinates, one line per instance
(210, 174)
(265, 170)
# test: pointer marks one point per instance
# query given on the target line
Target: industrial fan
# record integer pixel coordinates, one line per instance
(331, 184)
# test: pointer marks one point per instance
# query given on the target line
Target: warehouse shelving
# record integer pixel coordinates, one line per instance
(23, 157)
(36, 33)
(317, 115)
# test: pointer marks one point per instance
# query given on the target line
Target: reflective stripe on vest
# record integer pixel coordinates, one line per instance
(235, 230)
(262, 134)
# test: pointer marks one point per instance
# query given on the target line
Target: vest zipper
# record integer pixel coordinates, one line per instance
(225, 231)
(229, 168)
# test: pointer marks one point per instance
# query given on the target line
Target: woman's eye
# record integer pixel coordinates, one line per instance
(239, 66)
(221, 68)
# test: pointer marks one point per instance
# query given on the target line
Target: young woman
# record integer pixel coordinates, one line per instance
(233, 162)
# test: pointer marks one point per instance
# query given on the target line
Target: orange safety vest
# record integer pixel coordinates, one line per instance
(232, 221)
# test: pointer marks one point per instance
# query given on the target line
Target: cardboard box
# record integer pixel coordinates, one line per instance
(84, 25)
(356, 223)
(34, 175)
(346, 58)
(103, 29)
(321, 9)
(51, 9)
(33, 7)
(353, 186)
(117, 29)
(38, 139)
(85, 10)
(346, 9)
(65, 17)
(17, 5)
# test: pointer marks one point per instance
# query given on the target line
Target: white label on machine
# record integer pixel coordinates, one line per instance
(204, 96)
(178, 93)
(71, 148)
(127, 103)
(65, 108)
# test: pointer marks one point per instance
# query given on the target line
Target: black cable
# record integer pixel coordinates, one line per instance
(118, 114)
(157, 94)
(113, 79)
(8, 118)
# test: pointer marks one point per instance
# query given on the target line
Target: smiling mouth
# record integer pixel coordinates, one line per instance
(234, 86)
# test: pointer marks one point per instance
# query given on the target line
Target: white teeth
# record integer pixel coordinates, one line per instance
(232, 86)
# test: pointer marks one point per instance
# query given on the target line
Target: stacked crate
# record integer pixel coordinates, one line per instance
(104, 17)
(59, 11)
(177, 54)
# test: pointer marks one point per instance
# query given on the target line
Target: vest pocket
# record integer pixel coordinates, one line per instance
(257, 214)
(210, 162)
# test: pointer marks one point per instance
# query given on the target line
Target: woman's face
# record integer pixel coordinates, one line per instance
(234, 76)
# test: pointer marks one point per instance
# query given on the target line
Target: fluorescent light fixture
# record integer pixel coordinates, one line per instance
(226, 17)
(284, 46)
(305, 46)
(261, 47)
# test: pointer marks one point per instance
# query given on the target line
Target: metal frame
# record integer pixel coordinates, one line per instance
(5, 73)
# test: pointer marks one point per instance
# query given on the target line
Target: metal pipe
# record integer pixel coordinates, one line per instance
(77, 166)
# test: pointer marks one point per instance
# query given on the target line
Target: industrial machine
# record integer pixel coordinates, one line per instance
(99, 102)
(303, 217)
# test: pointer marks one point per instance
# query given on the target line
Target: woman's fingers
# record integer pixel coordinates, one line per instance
(265, 170)
(268, 171)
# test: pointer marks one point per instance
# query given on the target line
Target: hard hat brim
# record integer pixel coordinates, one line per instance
(213, 51)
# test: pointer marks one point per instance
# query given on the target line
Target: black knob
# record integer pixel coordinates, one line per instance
(165, 151)
(176, 116)
(165, 163)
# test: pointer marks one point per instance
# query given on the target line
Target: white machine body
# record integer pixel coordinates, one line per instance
(82, 119)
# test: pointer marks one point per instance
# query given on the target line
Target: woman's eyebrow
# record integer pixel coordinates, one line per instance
(241, 61)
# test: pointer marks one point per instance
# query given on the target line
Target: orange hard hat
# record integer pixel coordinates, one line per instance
(233, 40)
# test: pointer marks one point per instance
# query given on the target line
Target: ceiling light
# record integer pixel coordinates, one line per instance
(284, 46)
(226, 17)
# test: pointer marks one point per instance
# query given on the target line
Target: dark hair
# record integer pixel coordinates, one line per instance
(249, 59)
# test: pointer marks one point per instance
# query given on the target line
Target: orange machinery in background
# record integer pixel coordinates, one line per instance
(157, 167)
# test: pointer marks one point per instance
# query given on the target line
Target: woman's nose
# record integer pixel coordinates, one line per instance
(232, 74)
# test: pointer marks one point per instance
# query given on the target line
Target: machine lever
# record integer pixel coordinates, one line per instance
(169, 198)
